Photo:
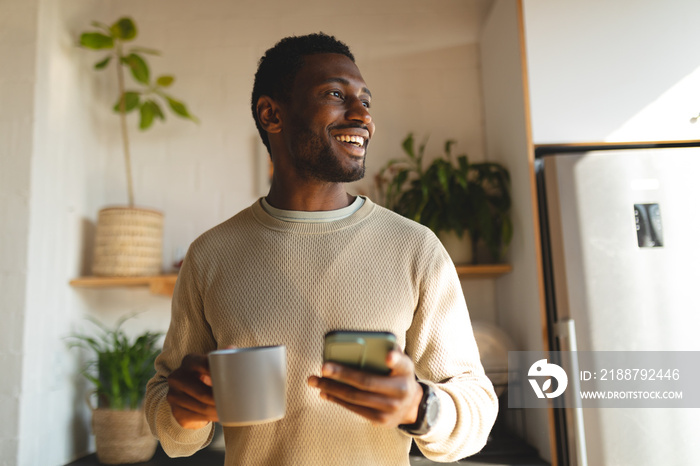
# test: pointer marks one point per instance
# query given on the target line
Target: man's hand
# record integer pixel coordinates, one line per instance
(387, 400)
(189, 393)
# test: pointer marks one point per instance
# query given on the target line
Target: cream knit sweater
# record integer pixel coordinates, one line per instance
(255, 280)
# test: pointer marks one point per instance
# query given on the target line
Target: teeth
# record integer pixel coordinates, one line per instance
(359, 141)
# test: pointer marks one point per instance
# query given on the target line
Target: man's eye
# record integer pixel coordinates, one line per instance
(366, 103)
(336, 94)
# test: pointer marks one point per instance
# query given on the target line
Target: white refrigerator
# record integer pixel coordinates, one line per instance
(621, 247)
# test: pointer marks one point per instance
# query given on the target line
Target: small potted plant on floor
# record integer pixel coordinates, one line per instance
(453, 197)
(129, 239)
(119, 369)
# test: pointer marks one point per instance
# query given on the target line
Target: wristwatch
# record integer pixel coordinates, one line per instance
(428, 411)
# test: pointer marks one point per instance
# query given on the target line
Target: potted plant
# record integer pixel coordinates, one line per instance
(451, 196)
(128, 240)
(119, 368)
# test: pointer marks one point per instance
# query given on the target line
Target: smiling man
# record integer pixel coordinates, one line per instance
(310, 258)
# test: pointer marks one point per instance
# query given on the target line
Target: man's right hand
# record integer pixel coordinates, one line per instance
(190, 394)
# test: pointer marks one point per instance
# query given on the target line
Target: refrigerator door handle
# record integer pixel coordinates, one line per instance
(566, 332)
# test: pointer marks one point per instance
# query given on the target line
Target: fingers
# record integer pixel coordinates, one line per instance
(399, 363)
(355, 396)
(377, 417)
(190, 394)
(396, 384)
(190, 420)
(387, 400)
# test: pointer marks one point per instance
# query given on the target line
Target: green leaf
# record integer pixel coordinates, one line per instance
(123, 368)
(139, 68)
(103, 63)
(131, 102)
(165, 80)
(123, 29)
(407, 146)
(463, 164)
(157, 110)
(506, 231)
(145, 50)
(448, 147)
(97, 24)
(421, 150)
(147, 115)
(96, 41)
(180, 109)
(443, 178)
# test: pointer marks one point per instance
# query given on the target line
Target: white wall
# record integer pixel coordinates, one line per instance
(508, 142)
(613, 71)
(18, 29)
(64, 158)
(51, 399)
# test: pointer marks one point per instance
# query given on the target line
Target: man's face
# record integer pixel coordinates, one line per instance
(327, 122)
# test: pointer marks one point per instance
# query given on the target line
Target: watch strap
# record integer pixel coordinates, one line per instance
(423, 423)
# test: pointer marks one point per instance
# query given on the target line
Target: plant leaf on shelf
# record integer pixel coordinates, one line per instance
(124, 29)
(96, 41)
(408, 146)
(97, 24)
(180, 109)
(131, 102)
(103, 63)
(450, 194)
(145, 50)
(165, 80)
(139, 68)
(158, 113)
(147, 115)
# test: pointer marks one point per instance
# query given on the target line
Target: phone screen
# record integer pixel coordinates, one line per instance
(359, 349)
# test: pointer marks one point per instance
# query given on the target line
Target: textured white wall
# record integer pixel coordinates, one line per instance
(18, 29)
(52, 405)
(63, 161)
(622, 71)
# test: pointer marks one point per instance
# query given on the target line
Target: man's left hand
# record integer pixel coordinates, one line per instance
(387, 400)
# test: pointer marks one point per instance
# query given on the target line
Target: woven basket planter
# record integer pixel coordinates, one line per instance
(128, 242)
(122, 437)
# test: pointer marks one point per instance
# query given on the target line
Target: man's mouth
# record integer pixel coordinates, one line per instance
(357, 141)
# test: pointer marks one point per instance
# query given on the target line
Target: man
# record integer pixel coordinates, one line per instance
(310, 258)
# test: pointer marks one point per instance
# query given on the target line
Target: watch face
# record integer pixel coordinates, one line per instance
(431, 411)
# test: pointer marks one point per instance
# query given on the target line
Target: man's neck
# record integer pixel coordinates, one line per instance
(330, 196)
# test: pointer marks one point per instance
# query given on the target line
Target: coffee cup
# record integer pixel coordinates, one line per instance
(249, 384)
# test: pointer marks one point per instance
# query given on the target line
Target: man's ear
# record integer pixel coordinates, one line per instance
(268, 112)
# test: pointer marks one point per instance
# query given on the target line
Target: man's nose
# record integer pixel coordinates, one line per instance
(357, 111)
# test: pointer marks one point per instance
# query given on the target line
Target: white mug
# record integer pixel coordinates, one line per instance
(250, 384)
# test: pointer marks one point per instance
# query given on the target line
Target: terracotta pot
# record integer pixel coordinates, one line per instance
(122, 437)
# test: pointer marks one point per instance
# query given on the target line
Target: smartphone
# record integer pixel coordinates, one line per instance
(358, 349)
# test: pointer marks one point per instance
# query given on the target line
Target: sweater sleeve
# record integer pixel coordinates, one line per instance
(441, 343)
(189, 332)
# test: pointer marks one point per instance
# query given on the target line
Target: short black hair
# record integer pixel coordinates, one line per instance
(280, 65)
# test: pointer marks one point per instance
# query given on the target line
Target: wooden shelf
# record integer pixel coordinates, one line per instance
(483, 271)
(165, 284)
(157, 284)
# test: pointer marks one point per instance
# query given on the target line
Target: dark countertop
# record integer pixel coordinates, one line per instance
(519, 454)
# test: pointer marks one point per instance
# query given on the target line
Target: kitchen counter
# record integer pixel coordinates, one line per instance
(215, 457)
(504, 450)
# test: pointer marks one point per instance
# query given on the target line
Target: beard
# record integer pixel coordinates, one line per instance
(314, 158)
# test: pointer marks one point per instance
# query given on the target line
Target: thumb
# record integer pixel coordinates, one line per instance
(399, 363)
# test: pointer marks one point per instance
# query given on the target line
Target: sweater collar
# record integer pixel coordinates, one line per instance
(268, 221)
